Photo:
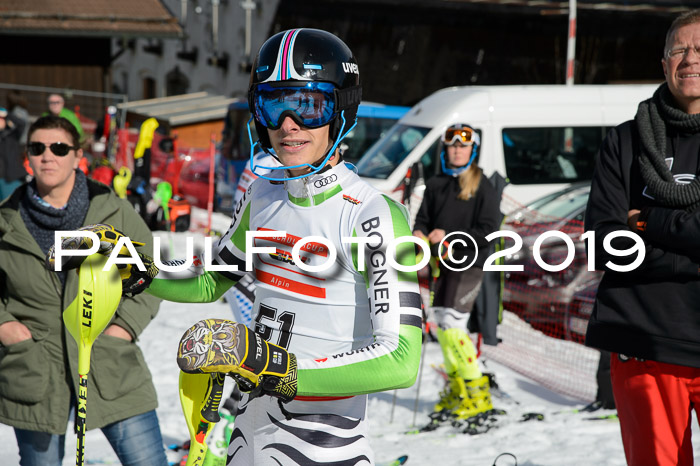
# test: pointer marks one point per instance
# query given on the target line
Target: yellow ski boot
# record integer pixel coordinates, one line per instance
(476, 414)
(451, 396)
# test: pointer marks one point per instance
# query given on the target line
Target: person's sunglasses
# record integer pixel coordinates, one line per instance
(311, 104)
(60, 149)
(464, 135)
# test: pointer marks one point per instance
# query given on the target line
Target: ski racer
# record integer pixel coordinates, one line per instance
(330, 336)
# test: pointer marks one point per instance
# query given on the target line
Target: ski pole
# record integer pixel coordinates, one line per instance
(99, 292)
(420, 377)
(435, 273)
(200, 395)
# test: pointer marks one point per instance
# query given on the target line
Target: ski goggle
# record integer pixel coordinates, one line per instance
(60, 149)
(311, 104)
(462, 134)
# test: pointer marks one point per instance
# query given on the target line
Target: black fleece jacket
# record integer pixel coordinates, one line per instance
(652, 312)
(479, 216)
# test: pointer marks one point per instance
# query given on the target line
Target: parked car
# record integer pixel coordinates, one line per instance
(538, 296)
(580, 310)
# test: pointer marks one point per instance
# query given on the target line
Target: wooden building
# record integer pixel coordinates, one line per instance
(67, 44)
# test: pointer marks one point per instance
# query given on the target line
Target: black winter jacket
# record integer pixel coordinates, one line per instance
(479, 216)
(11, 167)
(652, 312)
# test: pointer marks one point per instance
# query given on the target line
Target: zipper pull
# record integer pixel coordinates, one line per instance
(306, 187)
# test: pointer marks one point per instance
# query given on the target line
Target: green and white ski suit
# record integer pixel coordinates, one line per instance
(355, 327)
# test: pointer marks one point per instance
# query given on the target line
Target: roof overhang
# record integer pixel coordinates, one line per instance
(97, 18)
(179, 110)
(544, 7)
(562, 6)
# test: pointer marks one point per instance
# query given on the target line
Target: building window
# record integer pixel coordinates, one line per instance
(149, 88)
(176, 82)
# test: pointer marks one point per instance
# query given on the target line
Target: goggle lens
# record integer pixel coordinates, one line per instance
(312, 104)
(464, 135)
(60, 149)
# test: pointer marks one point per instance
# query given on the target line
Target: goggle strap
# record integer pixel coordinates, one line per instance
(348, 98)
(314, 169)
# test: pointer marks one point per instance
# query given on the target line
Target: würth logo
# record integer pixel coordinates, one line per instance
(351, 68)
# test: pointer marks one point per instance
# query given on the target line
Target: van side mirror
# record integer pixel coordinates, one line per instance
(413, 177)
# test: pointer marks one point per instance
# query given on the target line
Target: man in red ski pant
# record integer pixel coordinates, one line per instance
(646, 182)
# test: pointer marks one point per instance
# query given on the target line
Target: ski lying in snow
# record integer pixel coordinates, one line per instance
(589, 408)
(397, 462)
(603, 417)
(479, 424)
(540, 416)
(484, 422)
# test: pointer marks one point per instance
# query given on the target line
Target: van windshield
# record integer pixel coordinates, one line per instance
(367, 131)
(381, 159)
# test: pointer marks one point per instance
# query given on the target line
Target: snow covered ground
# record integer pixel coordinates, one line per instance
(562, 438)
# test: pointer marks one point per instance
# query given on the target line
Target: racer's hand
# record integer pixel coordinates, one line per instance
(134, 281)
(224, 346)
(108, 236)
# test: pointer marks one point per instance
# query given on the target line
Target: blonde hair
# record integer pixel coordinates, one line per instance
(469, 181)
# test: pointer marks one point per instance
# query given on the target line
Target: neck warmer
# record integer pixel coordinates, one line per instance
(42, 219)
(655, 117)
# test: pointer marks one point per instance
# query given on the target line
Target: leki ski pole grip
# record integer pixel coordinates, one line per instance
(210, 410)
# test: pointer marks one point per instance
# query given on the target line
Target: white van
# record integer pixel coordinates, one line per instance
(540, 138)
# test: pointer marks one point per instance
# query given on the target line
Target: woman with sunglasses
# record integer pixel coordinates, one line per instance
(38, 358)
(460, 208)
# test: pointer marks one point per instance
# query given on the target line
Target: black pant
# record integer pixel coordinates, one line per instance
(605, 392)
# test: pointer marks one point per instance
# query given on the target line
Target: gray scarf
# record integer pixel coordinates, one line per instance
(654, 118)
(42, 220)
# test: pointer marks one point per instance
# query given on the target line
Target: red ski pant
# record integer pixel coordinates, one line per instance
(654, 402)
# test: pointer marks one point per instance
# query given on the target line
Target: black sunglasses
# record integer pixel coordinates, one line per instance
(60, 149)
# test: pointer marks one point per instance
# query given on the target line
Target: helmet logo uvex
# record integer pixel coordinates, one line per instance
(351, 68)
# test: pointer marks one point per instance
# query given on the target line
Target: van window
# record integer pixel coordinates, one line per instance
(366, 132)
(551, 155)
(382, 158)
(431, 160)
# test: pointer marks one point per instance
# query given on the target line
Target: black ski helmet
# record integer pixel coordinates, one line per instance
(308, 55)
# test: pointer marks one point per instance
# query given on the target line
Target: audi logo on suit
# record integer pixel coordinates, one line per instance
(325, 181)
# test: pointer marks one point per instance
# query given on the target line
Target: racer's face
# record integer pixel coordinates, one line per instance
(295, 144)
(458, 154)
(681, 64)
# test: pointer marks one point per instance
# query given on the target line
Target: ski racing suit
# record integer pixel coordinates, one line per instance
(355, 327)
